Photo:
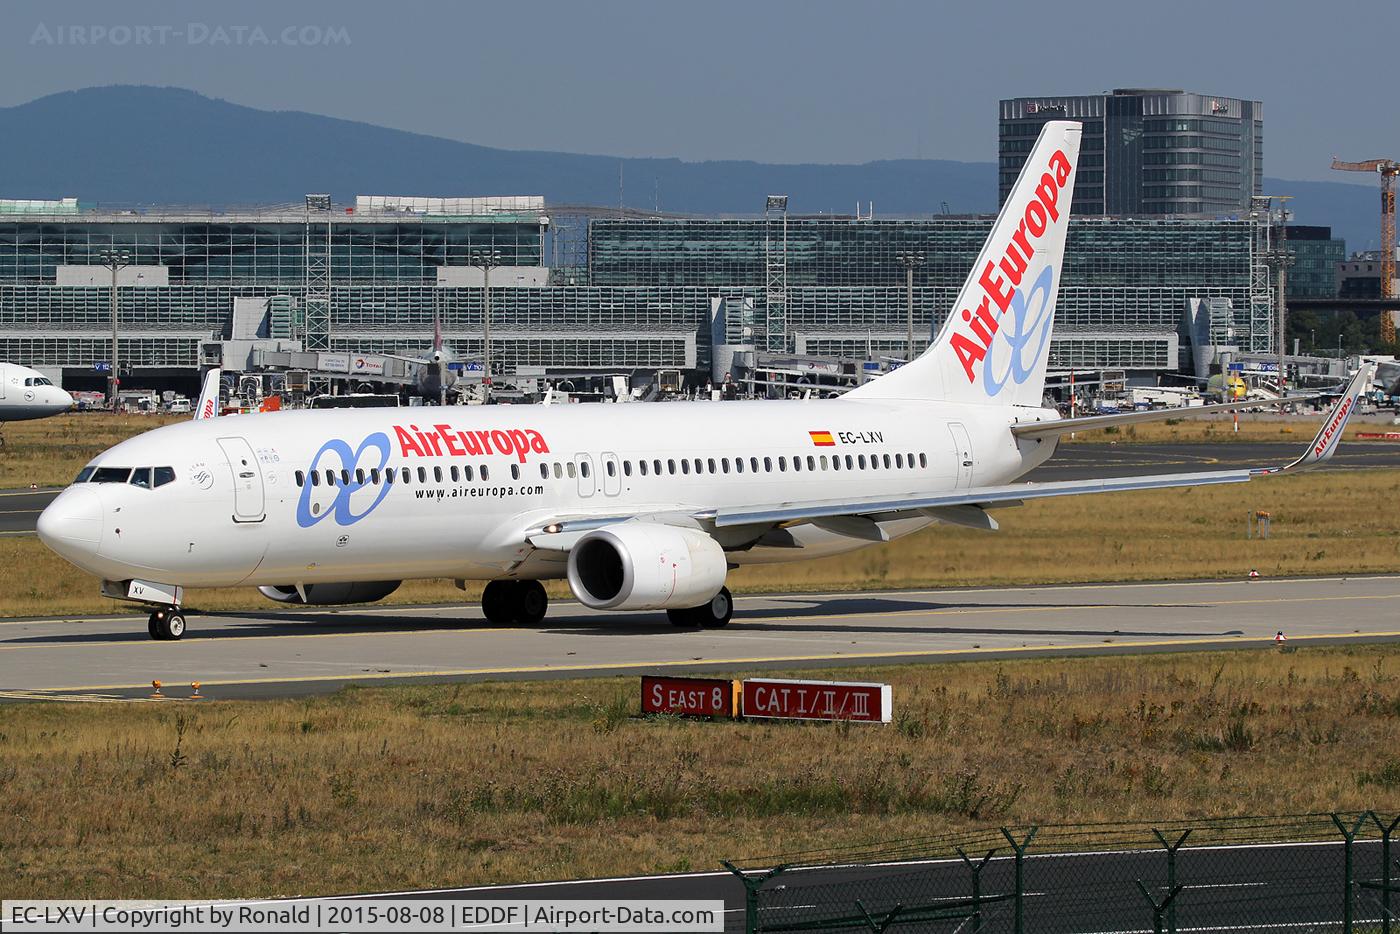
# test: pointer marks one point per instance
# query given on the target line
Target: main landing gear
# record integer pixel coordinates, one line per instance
(166, 623)
(712, 615)
(514, 602)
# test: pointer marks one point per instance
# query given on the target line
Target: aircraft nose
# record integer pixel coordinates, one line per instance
(72, 524)
(62, 398)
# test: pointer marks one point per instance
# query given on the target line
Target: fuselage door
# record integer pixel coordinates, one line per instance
(587, 482)
(962, 453)
(248, 505)
(612, 474)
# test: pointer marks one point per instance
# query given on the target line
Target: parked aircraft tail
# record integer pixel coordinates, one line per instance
(208, 406)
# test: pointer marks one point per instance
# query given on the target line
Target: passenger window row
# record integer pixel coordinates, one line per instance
(671, 466)
(390, 475)
(144, 477)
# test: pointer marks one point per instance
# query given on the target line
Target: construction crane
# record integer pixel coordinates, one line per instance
(1388, 169)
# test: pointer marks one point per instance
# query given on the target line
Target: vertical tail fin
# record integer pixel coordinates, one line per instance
(208, 406)
(994, 346)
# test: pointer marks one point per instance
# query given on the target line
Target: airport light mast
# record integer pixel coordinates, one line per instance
(910, 260)
(484, 260)
(115, 260)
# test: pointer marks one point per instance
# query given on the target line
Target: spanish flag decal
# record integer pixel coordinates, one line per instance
(822, 439)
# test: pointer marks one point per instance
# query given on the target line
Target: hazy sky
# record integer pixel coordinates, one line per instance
(780, 82)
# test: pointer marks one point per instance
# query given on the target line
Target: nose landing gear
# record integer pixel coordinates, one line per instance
(510, 602)
(166, 623)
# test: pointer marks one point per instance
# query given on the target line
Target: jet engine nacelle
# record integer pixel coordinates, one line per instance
(329, 594)
(646, 566)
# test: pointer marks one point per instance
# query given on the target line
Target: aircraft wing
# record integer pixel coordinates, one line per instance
(857, 517)
(1323, 446)
(1064, 426)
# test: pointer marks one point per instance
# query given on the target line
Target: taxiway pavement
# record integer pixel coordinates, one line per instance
(282, 653)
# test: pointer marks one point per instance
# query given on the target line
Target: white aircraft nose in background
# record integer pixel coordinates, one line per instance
(27, 394)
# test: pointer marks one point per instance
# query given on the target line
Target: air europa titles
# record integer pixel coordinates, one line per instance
(1324, 440)
(446, 441)
(1000, 288)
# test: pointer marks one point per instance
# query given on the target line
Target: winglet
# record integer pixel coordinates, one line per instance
(209, 398)
(1324, 445)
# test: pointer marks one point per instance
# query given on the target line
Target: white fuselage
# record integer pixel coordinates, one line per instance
(468, 482)
(27, 394)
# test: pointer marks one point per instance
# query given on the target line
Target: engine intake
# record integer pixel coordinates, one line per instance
(646, 566)
(331, 594)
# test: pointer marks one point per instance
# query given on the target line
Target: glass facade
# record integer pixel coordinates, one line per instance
(648, 297)
(1125, 281)
(263, 249)
(1156, 152)
(1315, 258)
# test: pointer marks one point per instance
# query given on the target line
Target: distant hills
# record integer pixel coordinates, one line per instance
(126, 145)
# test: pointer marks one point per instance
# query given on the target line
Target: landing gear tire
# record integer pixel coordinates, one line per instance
(713, 615)
(496, 602)
(531, 602)
(514, 602)
(718, 612)
(166, 624)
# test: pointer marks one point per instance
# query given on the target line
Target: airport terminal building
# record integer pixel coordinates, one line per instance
(641, 293)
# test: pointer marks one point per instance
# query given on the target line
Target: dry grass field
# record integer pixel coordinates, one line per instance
(1323, 523)
(51, 451)
(393, 788)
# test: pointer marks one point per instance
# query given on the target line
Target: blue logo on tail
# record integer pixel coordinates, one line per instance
(1023, 337)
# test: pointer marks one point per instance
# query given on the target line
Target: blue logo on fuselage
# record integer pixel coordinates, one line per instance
(342, 507)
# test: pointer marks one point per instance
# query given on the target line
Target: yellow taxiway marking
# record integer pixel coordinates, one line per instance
(695, 663)
(447, 629)
(1101, 585)
(20, 532)
(38, 492)
(18, 512)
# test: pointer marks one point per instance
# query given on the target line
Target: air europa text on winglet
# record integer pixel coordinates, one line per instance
(1338, 420)
(446, 441)
(1040, 212)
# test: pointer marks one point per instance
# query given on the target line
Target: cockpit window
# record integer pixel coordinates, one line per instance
(85, 475)
(141, 476)
(111, 475)
(37, 381)
(163, 475)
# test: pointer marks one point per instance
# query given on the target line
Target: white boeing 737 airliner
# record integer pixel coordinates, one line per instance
(640, 507)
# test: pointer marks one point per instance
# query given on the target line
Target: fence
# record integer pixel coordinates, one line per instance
(1310, 872)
